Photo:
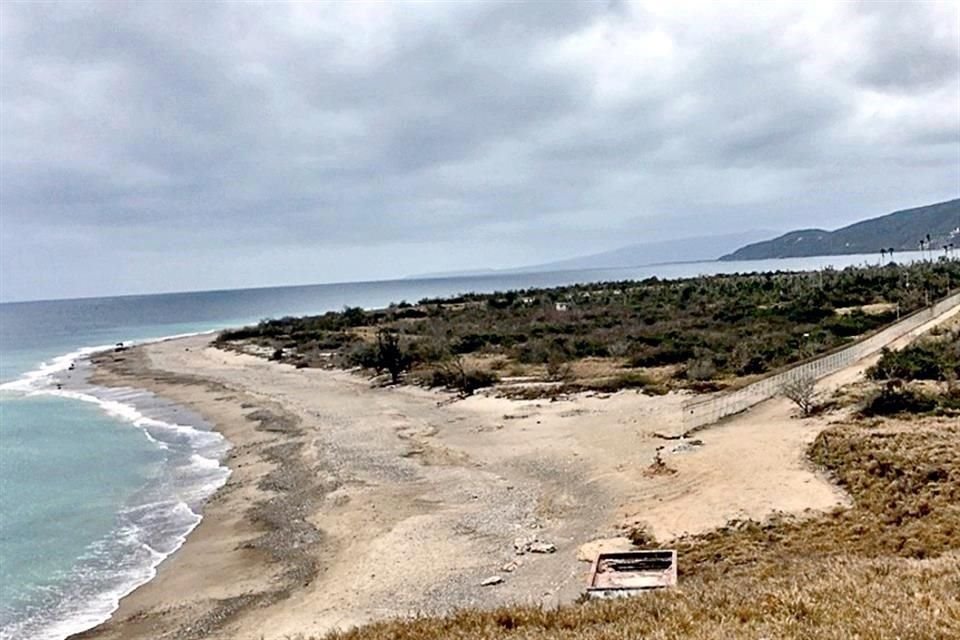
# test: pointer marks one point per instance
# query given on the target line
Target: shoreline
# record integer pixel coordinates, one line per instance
(262, 435)
(392, 501)
(151, 523)
(207, 538)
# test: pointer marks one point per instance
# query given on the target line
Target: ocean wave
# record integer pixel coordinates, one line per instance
(147, 530)
(41, 379)
(109, 570)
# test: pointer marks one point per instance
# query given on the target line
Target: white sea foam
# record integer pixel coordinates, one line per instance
(39, 379)
(169, 520)
(85, 613)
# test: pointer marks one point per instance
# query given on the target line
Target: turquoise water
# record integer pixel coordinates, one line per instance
(67, 471)
(97, 486)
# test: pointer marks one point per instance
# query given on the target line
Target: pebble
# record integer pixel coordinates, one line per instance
(492, 580)
(542, 547)
(511, 566)
(530, 544)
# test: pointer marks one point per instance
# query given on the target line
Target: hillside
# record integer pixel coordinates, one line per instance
(901, 230)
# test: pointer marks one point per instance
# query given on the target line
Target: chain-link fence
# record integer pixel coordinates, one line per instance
(704, 411)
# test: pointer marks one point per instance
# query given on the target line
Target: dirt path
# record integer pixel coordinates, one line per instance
(751, 464)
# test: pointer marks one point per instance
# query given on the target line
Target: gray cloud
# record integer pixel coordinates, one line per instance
(909, 49)
(262, 143)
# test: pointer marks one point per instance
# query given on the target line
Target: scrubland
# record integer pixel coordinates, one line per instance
(700, 333)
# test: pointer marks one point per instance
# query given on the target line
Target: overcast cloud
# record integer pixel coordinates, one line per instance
(185, 145)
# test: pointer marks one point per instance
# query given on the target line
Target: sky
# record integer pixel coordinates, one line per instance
(169, 146)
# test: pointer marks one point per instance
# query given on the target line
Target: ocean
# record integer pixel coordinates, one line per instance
(98, 485)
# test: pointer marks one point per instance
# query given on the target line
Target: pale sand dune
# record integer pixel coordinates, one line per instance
(395, 501)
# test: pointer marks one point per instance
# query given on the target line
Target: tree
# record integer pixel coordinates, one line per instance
(391, 355)
(802, 392)
(353, 316)
(455, 375)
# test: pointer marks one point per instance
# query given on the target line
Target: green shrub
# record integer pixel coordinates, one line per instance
(702, 369)
(364, 354)
(927, 360)
(456, 377)
(744, 324)
(896, 398)
(855, 324)
(626, 380)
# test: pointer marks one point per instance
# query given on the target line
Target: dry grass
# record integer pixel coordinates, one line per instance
(823, 600)
(869, 309)
(889, 567)
(904, 478)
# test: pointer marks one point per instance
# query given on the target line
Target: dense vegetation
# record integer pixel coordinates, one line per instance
(934, 358)
(919, 378)
(936, 225)
(685, 331)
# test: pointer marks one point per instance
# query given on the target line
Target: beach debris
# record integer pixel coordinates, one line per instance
(511, 566)
(686, 445)
(616, 575)
(531, 544)
(543, 547)
(588, 551)
(521, 544)
(492, 580)
(658, 467)
(672, 436)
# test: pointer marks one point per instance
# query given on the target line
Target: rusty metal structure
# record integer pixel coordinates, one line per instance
(628, 573)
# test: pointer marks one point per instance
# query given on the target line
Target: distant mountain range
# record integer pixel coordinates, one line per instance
(901, 231)
(635, 255)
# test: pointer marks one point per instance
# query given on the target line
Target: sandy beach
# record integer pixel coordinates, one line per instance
(349, 503)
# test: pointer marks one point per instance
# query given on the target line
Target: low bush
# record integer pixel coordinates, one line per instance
(701, 370)
(895, 398)
(457, 377)
(924, 360)
(626, 380)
